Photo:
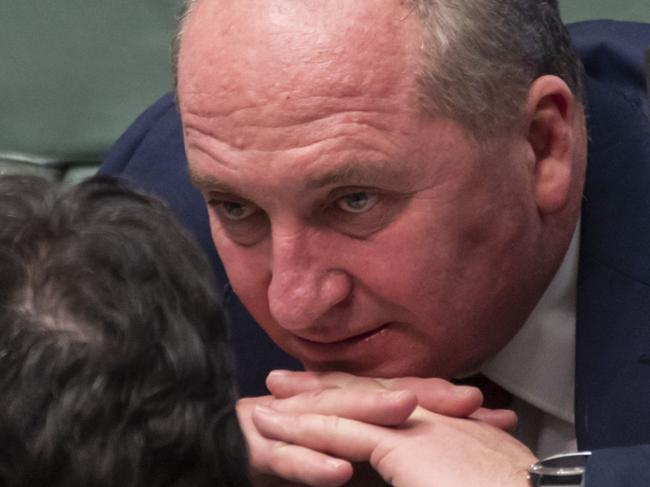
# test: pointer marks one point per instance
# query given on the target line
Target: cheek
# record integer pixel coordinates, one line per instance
(401, 266)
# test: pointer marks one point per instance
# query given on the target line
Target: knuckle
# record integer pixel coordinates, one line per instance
(320, 397)
(276, 457)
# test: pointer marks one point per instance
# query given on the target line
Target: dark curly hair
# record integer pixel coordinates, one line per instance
(114, 367)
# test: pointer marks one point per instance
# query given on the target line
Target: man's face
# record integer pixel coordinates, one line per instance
(361, 234)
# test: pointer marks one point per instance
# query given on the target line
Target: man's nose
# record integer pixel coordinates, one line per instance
(305, 285)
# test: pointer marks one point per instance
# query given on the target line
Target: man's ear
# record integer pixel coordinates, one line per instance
(551, 112)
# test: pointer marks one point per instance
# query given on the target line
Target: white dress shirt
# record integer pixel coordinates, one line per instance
(538, 365)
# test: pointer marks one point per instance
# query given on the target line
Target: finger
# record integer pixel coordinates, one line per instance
(352, 440)
(285, 383)
(293, 463)
(440, 396)
(382, 407)
(436, 395)
(302, 465)
(504, 419)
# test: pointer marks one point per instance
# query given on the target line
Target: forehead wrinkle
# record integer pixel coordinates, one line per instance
(288, 109)
(236, 141)
(192, 144)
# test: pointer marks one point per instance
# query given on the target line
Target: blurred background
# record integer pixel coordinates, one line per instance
(75, 74)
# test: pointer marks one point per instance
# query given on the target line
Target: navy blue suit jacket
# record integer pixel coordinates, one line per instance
(613, 309)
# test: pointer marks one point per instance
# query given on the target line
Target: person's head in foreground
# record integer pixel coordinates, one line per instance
(391, 184)
(114, 369)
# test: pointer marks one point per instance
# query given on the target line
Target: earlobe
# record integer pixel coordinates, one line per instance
(551, 110)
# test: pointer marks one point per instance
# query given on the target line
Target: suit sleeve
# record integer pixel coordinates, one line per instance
(613, 54)
(619, 467)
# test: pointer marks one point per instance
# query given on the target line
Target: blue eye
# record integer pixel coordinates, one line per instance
(236, 211)
(357, 202)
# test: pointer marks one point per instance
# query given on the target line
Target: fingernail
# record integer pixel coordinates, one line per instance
(464, 391)
(335, 463)
(267, 417)
(394, 395)
(279, 373)
(265, 411)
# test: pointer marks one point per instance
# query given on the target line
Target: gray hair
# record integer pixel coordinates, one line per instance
(479, 58)
(185, 10)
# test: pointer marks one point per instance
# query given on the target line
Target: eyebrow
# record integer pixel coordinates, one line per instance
(350, 173)
(207, 181)
(353, 173)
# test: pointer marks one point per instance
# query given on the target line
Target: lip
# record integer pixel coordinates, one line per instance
(364, 347)
(343, 341)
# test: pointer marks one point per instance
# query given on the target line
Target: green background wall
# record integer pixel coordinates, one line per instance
(75, 73)
(575, 10)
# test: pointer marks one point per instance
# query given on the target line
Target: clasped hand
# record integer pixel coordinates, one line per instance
(413, 432)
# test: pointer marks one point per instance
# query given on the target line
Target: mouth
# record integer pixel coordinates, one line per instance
(385, 351)
(344, 341)
(356, 354)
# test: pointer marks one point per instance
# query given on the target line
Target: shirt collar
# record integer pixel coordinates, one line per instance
(538, 364)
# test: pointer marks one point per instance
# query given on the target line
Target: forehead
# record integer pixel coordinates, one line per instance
(274, 49)
(314, 85)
